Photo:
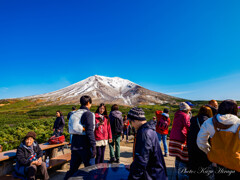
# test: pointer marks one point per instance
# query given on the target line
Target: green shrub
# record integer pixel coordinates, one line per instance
(23, 116)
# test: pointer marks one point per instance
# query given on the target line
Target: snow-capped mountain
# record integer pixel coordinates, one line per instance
(107, 90)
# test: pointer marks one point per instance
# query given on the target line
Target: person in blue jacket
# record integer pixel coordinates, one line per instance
(148, 160)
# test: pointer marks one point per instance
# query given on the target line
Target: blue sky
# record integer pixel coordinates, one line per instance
(184, 48)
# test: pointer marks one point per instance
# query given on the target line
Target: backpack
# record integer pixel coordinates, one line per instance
(225, 146)
(74, 125)
(56, 139)
(118, 126)
(163, 123)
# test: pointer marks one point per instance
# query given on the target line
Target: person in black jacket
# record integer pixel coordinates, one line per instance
(148, 160)
(59, 124)
(83, 146)
(29, 158)
(199, 165)
(116, 122)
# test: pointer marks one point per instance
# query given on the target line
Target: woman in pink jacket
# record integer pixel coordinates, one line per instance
(102, 132)
(178, 139)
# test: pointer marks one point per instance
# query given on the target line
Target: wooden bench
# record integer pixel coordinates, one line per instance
(7, 157)
(59, 160)
(56, 161)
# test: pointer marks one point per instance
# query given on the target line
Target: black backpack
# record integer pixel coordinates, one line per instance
(117, 126)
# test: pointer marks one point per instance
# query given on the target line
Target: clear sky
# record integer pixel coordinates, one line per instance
(189, 49)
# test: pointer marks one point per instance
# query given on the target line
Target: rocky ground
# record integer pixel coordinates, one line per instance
(125, 158)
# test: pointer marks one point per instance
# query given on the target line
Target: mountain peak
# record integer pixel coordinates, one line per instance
(105, 89)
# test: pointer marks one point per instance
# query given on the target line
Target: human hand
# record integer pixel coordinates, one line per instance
(100, 123)
(53, 129)
(58, 130)
(39, 161)
(127, 167)
(94, 151)
(34, 163)
(110, 140)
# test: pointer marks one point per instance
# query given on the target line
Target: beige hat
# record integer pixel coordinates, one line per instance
(184, 106)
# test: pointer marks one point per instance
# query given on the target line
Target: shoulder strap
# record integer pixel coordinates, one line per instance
(198, 123)
(238, 129)
(218, 125)
(165, 118)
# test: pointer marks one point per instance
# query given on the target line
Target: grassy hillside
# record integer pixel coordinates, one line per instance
(18, 117)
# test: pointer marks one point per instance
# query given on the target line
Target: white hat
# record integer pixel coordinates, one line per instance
(184, 106)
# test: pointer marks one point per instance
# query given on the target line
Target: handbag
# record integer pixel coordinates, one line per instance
(56, 139)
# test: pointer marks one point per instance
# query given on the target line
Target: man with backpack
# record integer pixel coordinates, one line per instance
(163, 123)
(116, 122)
(82, 126)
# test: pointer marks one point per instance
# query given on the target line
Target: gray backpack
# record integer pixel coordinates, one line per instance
(75, 126)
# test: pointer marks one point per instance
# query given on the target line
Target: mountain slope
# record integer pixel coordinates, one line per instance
(107, 90)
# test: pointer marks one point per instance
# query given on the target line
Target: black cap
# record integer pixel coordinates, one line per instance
(166, 110)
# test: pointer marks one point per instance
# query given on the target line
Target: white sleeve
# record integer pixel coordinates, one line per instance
(94, 122)
(207, 130)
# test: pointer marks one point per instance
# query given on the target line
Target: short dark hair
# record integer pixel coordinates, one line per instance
(85, 99)
(60, 112)
(114, 107)
(228, 107)
(74, 108)
(166, 110)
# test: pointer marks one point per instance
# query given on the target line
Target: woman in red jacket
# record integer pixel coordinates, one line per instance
(178, 140)
(102, 132)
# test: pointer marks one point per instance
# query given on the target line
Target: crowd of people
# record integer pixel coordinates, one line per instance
(96, 130)
(206, 146)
